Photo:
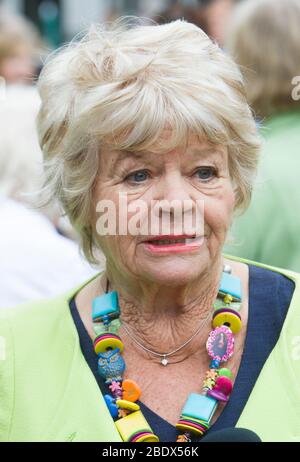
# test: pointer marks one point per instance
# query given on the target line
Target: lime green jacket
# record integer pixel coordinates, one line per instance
(269, 231)
(48, 392)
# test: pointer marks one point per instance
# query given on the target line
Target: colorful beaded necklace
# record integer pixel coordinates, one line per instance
(199, 408)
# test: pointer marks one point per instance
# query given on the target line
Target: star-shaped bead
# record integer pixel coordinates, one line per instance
(211, 374)
(122, 413)
(115, 387)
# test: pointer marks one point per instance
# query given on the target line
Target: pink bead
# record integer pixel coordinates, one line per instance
(220, 344)
(222, 389)
(224, 384)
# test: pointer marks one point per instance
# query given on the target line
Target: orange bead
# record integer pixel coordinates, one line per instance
(131, 390)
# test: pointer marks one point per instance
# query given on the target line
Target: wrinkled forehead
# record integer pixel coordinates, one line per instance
(194, 147)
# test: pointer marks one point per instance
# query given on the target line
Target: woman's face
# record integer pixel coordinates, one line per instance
(197, 178)
(18, 68)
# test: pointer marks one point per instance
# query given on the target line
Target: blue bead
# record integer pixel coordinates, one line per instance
(111, 365)
(105, 305)
(199, 407)
(112, 407)
(231, 285)
(106, 320)
(214, 364)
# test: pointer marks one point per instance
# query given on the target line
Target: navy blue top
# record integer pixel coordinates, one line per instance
(270, 294)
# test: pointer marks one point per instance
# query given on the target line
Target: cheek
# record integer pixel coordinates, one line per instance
(118, 249)
(218, 211)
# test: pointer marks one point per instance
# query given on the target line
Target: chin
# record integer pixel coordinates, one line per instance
(173, 273)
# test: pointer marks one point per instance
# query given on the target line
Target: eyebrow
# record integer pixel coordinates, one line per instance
(123, 155)
(141, 154)
(207, 150)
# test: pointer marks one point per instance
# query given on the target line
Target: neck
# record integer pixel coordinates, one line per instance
(163, 318)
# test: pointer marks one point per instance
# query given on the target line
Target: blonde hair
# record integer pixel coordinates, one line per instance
(264, 39)
(123, 86)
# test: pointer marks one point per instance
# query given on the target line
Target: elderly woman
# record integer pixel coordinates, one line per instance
(172, 341)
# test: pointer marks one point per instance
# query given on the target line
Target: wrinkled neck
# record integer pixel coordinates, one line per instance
(163, 318)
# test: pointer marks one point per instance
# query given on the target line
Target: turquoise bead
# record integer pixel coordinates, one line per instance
(105, 305)
(231, 285)
(199, 407)
(214, 364)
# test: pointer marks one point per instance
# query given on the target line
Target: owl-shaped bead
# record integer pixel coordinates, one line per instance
(111, 365)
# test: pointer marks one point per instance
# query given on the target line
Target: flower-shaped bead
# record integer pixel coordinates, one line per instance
(115, 388)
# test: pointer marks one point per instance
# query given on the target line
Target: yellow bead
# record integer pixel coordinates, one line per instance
(135, 428)
(147, 439)
(232, 320)
(124, 404)
(101, 345)
(208, 383)
(187, 428)
(228, 298)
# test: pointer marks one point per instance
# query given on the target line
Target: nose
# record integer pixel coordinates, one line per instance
(173, 187)
(174, 205)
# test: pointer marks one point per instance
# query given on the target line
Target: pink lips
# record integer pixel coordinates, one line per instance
(192, 243)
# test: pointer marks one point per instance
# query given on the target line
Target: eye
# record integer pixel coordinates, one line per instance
(206, 174)
(137, 177)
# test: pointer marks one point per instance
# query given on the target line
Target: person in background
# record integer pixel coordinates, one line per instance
(20, 155)
(20, 49)
(216, 15)
(269, 231)
(176, 10)
(33, 255)
(210, 15)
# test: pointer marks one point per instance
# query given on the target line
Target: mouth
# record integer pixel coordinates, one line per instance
(173, 244)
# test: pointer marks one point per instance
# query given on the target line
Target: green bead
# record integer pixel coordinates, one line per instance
(99, 328)
(220, 304)
(114, 326)
(224, 372)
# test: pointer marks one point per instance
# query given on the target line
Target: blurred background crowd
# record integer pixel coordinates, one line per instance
(39, 254)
